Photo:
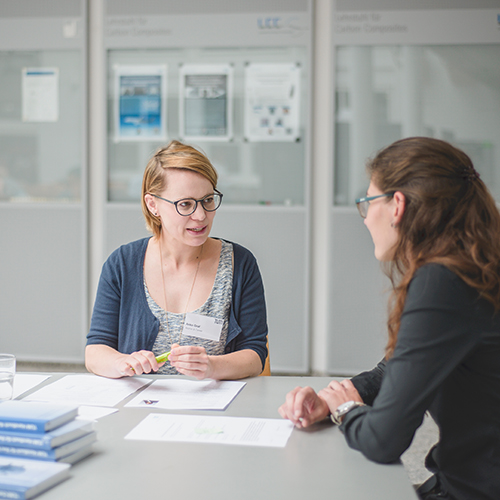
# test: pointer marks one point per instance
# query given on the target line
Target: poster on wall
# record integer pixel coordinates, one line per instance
(272, 102)
(140, 103)
(40, 94)
(206, 104)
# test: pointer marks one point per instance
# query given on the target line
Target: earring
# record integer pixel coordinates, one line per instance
(393, 225)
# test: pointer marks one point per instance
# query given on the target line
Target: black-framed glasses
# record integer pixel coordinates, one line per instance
(364, 203)
(188, 206)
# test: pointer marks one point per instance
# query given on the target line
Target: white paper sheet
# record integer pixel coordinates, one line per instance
(272, 102)
(206, 102)
(213, 429)
(89, 390)
(40, 92)
(178, 394)
(23, 382)
(94, 412)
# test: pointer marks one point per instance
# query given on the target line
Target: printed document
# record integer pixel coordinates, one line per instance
(24, 382)
(241, 431)
(89, 390)
(179, 394)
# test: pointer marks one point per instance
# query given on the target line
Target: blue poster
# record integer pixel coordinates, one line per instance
(141, 104)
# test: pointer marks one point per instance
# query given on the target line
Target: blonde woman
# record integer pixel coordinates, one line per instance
(179, 291)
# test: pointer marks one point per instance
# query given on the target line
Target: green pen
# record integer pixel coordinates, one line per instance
(163, 357)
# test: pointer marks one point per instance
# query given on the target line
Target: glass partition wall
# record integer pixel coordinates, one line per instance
(251, 172)
(384, 93)
(41, 126)
(43, 176)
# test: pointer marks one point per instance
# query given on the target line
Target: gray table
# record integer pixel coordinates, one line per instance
(316, 463)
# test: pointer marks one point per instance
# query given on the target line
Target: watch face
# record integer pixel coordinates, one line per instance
(345, 407)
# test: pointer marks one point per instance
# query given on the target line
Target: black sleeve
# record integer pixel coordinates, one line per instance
(434, 337)
(368, 383)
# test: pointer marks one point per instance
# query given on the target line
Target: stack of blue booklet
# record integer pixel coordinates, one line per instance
(22, 479)
(44, 431)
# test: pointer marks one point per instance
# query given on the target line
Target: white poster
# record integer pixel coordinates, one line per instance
(206, 102)
(40, 94)
(140, 103)
(272, 102)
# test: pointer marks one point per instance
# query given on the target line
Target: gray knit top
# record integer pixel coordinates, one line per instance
(217, 305)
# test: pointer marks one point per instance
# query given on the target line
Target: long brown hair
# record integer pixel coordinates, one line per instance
(450, 218)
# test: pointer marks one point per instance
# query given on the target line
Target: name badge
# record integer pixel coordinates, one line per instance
(203, 327)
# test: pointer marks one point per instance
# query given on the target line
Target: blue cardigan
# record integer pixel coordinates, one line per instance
(122, 319)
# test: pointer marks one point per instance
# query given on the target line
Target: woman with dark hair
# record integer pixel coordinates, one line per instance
(436, 228)
(181, 292)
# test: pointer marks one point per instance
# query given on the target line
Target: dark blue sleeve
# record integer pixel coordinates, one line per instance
(248, 321)
(121, 318)
(104, 325)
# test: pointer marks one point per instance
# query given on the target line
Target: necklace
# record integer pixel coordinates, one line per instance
(189, 296)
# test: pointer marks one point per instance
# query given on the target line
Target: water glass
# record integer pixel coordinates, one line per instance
(7, 372)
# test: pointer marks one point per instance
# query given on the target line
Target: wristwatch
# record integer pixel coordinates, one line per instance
(338, 415)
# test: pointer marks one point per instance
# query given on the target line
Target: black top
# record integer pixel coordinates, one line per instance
(447, 361)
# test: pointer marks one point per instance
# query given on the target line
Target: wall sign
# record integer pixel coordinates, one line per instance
(140, 103)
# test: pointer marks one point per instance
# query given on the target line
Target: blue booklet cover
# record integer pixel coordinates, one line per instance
(34, 416)
(54, 454)
(74, 429)
(82, 453)
(22, 479)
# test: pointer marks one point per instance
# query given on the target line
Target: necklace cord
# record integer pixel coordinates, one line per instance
(189, 297)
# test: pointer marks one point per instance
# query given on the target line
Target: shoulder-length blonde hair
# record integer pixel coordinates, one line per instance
(175, 155)
(450, 218)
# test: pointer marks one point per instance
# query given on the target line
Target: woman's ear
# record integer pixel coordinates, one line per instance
(151, 203)
(399, 207)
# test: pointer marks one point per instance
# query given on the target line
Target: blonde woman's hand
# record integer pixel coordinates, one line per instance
(137, 363)
(191, 360)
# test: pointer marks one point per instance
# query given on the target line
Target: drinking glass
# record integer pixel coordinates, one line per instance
(7, 372)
